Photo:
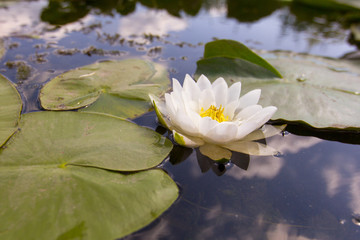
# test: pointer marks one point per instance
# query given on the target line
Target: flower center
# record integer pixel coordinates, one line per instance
(214, 113)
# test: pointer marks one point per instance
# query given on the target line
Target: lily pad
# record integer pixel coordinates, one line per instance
(117, 106)
(321, 92)
(233, 49)
(10, 109)
(44, 201)
(85, 139)
(53, 187)
(123, 85)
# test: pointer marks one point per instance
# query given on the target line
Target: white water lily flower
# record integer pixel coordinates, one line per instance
(215, 118)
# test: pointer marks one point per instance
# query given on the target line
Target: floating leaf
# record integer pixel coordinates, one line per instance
(10, 108)
(114, 105)
(44, 201)
(122, 87)
(86, 139)
(235, 50)
(50, 191)
(321, 92)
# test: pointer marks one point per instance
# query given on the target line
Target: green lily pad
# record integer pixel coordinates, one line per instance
(53, 187)
(85, 139)
(2, 48)
(235, 50)
(43, 201)
(123, 85)
(10, 109)
(117, 106)
(321, 92)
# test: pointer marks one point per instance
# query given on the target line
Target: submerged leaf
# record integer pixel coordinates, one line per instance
(10, 109)
(121, 87)
(86, 139)
(321, 92)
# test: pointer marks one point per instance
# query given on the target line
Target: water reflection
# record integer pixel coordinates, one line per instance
(150, 22)
(261, 167)
(288, 25)
(250, 10)
(282, 231)
(342, 176)
(20, 17)
(238, 160)
(68, 11)
(271, 198)
(267, 167)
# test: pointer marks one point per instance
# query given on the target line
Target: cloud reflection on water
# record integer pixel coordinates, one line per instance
(282, 231)
(155, 22)
(23, 19)
(269, 167)
(19, 17)
(342, 176)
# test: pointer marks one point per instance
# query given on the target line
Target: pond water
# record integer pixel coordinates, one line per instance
(311, 191)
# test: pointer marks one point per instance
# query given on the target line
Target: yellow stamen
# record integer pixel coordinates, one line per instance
(214, 113)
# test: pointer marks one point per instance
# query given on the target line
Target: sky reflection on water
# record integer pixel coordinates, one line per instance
(277, 30)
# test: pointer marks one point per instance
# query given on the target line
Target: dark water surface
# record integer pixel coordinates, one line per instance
(311, 191)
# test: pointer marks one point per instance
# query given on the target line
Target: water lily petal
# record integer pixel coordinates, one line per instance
(248, 112)
(206, 99)
(190, 94)
(183, 122)
(215, 152)
(203, 83)
(187, 141)
(265, 132)
(160, 110)
(245, 128)
(191, 87)
(234, 92)
(178, 101)
(250, 98)
(205, 124)
(222, 132)
(229, 109)
(189, 104)
(176, 86)
(251, 148)
(255, 122)
(160, 105)
(196, 118)
(220, 89)
(261, 117)
(171, 108)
